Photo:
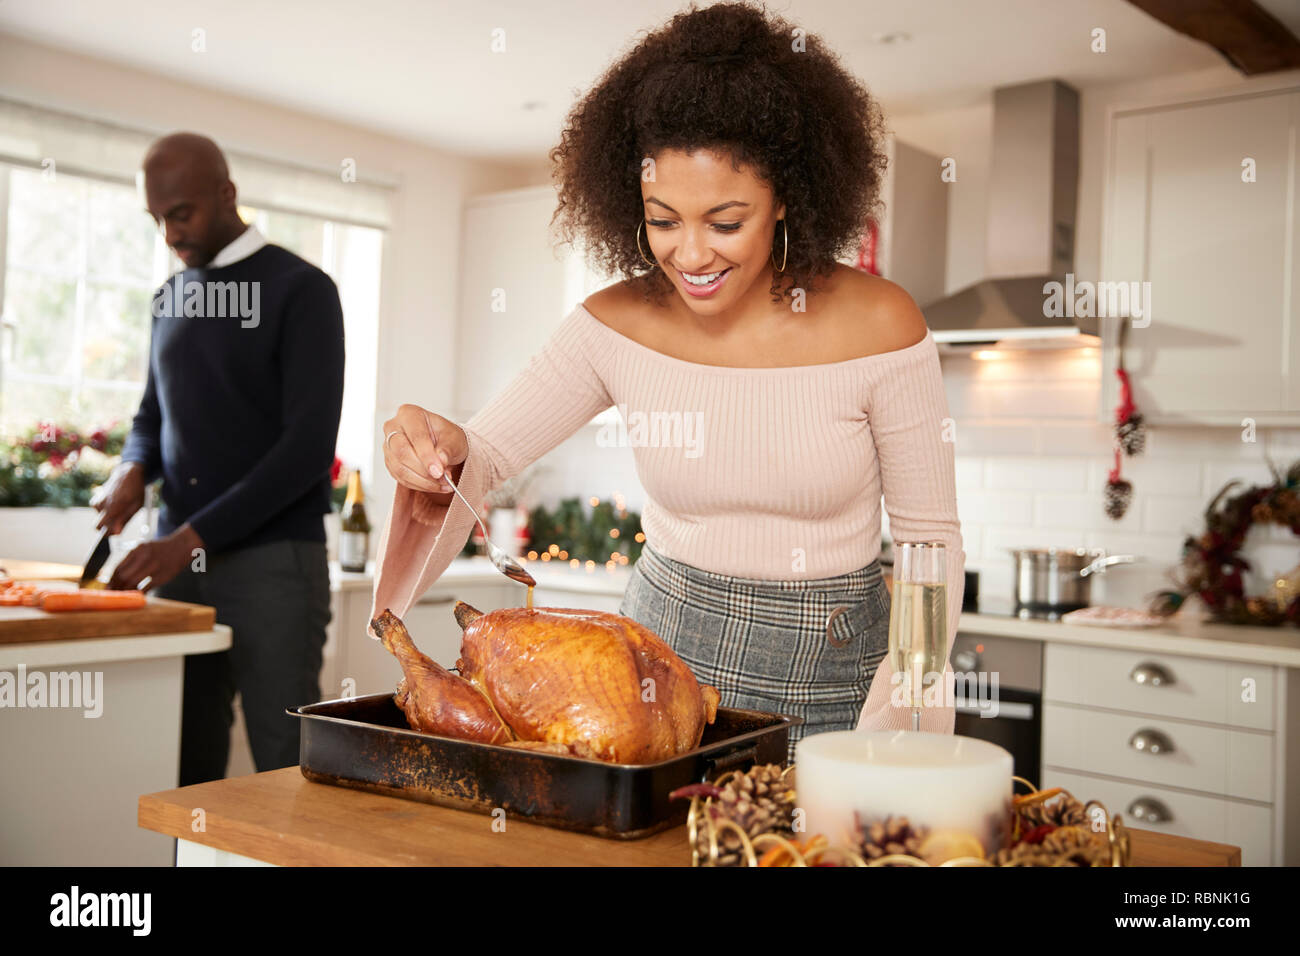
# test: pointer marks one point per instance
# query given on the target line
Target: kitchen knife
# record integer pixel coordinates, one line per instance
(96, 562)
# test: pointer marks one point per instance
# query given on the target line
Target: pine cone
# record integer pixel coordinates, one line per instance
(758, 801)
(1068, 846)
(1064, 810)
(1118, 495)
(1262, 513)
(1132, 434)
(889, 836)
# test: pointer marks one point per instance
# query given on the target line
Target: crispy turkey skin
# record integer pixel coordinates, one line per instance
(565, 680)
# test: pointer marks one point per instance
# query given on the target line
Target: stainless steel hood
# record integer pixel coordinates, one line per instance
(1033, 189)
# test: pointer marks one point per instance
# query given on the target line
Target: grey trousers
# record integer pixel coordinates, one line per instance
(276, 599)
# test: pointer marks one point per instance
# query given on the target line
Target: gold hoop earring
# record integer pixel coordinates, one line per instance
(784, 250)
(650, 262)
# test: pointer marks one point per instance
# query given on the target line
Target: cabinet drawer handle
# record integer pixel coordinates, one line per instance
(1150, 675)
(439, 602)
(1149, 810)
(1150, 741)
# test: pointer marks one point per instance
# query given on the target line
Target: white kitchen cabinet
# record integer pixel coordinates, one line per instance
(517, 285)
(1219, 253)
(1178, 812)
(914, 224)
(550, 596)
(1227, 768)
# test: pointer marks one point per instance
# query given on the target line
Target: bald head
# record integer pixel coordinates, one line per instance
(197, 153)
(189, 194)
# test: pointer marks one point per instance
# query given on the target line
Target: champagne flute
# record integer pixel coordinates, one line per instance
(918, 617)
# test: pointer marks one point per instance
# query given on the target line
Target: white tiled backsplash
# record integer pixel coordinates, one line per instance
(1032, 463)
(1033, 460)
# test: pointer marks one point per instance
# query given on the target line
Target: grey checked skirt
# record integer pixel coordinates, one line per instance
(804, 648)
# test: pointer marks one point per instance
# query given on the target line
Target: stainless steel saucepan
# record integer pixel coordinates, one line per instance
(1052, 581)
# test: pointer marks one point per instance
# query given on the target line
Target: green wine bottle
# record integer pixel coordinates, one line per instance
(354, 529)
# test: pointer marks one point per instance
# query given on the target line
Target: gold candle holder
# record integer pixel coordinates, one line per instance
(771, 847)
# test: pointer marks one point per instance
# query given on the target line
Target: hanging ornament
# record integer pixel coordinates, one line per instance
(1119, 493)
(1130, 430)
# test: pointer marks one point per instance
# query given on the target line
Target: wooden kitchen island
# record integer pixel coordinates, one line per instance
(281, 818)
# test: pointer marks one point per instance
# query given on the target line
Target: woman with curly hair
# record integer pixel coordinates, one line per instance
(721, 167)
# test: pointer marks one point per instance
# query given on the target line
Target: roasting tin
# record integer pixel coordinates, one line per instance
(365, 743)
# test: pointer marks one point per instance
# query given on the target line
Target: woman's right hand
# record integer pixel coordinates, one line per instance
(420, 446)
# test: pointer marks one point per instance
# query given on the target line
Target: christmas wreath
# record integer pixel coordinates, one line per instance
(1212, 566)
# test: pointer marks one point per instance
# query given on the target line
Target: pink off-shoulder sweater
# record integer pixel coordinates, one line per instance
(770, 473)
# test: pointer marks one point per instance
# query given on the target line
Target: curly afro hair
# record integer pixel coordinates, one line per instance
(734, 79)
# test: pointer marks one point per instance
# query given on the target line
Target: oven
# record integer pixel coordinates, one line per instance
(999, 696)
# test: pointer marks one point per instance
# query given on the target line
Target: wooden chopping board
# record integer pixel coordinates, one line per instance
(25, 625)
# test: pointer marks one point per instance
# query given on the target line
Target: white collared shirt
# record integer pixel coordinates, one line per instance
(243, 246)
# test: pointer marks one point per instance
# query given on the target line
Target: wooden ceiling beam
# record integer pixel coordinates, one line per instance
(1247, 35)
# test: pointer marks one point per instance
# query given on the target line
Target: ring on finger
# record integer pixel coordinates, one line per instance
(389, 436)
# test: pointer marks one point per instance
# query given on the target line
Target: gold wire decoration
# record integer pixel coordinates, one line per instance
(768, 848)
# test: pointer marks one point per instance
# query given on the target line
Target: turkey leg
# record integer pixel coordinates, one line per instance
(435, 700)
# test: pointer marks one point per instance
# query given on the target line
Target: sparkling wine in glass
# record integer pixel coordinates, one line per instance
(918, 618)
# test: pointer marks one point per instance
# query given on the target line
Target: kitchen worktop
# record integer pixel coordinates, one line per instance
(1182, 634)
(479, 570)
(282, 818)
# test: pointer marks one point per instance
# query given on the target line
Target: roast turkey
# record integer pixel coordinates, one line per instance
(566, 680)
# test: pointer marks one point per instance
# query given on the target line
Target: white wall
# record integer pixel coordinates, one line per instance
(421, 254)
(1033, 444)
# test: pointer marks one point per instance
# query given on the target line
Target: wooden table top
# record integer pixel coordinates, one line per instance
(281, 817)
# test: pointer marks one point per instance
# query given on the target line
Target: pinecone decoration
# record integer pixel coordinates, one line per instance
(1063, 811)
(758, 801)
(1119, 494)
(889, 836)
(1132, 434)
(1066, 846)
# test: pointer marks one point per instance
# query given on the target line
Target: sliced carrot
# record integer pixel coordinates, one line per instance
(92, 599)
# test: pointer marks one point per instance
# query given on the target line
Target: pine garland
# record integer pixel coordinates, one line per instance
(606, 533)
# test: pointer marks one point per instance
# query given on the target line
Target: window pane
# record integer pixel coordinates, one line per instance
(121, 234)
(45, 220)
(45, 313)
(99, 406)
(358, 254)
(116, 336)
(26, 403)
(301, 234)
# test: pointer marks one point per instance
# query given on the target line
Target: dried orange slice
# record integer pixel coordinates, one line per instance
(1038, 796)
(943, 845)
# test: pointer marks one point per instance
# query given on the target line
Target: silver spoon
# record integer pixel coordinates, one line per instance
(500, 560)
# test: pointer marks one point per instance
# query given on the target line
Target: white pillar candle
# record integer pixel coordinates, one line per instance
(938, 781)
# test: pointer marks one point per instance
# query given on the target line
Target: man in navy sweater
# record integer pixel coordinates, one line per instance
(239, 417)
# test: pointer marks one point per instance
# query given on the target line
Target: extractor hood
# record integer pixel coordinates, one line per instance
(1033, 188)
